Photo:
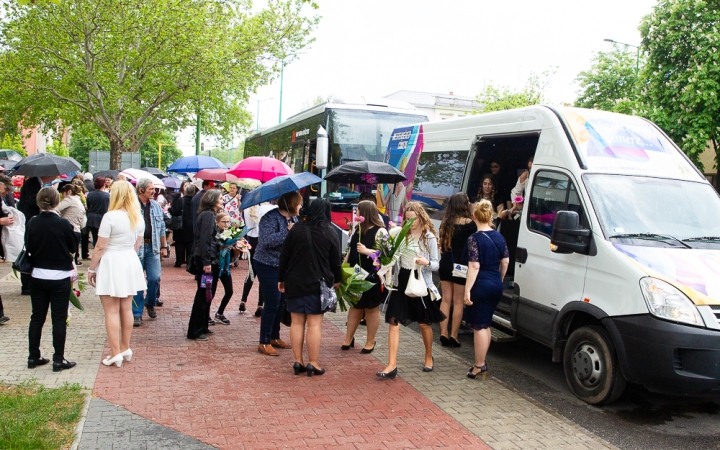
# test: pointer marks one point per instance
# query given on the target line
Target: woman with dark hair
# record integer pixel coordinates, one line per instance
(97, 205)
(455, 228)
(72, 210)
(362, 245)
(183, 237)
(274, 227)
(50, 243)
(206, 257)
(310, 253)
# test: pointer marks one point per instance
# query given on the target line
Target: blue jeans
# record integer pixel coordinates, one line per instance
(270, 318)
(151, 266)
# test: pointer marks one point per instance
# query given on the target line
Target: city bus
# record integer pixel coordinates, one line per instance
(358, 129)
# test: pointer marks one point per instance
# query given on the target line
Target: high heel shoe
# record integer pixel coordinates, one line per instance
(311, 370)
(368, 350)
(454, 342)
(444, 341)
(127, 354)
(429, 368)
(482, 373)
(299, 368)
(117, 360)
(347, 347)
(389, 375)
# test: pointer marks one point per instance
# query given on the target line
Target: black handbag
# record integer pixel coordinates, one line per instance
(176, 223)
(22, 263)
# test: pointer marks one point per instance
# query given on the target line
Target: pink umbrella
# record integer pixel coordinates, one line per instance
(215, 175)
(260, 168)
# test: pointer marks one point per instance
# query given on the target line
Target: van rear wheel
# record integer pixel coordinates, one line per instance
(591, 366)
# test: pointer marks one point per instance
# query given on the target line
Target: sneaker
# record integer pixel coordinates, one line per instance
(258, 311)
(159, 303)
(4, 320)
(137, 321)
(242, 307)
(221, 318)
(151, 311)
(211, 322)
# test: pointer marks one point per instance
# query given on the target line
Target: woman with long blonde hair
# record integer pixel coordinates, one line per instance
(115, 268)
(422, 255)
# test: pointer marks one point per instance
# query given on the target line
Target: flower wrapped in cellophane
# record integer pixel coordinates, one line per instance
(351, 288)
(389, 249)
(227, 240)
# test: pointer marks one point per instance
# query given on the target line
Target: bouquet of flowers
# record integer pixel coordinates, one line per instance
(79, 284)
(389, 249)
(351, 288)
(228, 239)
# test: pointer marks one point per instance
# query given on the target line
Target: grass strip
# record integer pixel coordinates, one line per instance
(35, 417)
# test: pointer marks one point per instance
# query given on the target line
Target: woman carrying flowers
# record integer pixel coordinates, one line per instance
(362, 247)
(421, 254)
(229, 237)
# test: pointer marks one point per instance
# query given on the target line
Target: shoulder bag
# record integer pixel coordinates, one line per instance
(328, 297)
(22, 262)
(459, 270)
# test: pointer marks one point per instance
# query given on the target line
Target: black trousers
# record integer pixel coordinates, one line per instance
(182, 252)
(53, 294)
(200, 313)
(84, 241)
(226, 281)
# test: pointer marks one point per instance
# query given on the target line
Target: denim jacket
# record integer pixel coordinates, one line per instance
(157, 219)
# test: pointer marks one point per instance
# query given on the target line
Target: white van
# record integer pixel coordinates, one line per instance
(615, 259)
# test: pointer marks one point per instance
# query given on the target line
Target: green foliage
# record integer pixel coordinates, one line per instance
(13, 141)
(228, 156)
(35, 417)
(135, 68)
(681, 40)
(84, 139)
(169, 153)
(58, 148)
(612, 82)
(500, 98)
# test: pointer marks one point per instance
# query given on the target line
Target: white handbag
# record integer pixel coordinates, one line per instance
(416, 286)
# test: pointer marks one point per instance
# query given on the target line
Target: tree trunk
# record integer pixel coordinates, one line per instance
(116, 151)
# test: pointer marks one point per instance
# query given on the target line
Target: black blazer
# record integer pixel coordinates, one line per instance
(206, 246)
(182, 206)
(28, 193)
(50, 242)
(97, 205)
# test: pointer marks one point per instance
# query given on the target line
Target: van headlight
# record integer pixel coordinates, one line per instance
(667, 302)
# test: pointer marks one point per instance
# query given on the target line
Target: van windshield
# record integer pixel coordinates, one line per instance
(660, 210)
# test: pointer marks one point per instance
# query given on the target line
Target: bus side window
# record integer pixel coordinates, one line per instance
(552, 192)
(439, 175)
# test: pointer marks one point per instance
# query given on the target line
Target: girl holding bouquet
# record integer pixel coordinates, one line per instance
(421, 254)
(229, 239)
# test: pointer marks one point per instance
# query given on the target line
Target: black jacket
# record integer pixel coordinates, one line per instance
(206, 245)
(50, 242)
(97, 205)
(297, 269)
(28, 193)
(182, 206)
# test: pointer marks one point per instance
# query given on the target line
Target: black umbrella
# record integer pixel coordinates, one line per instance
(107, 173)
(370, 172)
(46, 165)
(154, 171)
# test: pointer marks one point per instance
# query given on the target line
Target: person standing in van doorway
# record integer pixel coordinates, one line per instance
(488, 260)
(395, 201)
(422, 255)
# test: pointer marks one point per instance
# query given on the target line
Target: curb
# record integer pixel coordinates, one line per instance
(81, 423)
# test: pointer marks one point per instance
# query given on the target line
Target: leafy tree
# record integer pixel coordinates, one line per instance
(13, 141)
(611, 83)
(681, 39)
(499, 98)
(58, 148)
(84, 139)
(169, 153)
(135, 68)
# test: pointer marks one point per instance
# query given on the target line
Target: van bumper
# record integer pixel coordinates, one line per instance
(666, 357)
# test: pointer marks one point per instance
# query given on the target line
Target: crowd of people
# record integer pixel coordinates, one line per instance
(294, 257)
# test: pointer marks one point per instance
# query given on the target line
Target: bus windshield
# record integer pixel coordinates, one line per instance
(364, 135)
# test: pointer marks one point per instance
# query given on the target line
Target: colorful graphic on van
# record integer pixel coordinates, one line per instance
(695, 272)
(403, 152)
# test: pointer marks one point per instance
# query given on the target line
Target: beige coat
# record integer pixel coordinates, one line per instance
(72, 209)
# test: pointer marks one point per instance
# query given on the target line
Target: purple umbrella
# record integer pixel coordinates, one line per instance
(173, 183)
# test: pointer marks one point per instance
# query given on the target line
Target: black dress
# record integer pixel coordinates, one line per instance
(461, 233)
(486, 248)
(373, 297)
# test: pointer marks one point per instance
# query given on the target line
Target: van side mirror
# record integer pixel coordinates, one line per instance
(566, 234)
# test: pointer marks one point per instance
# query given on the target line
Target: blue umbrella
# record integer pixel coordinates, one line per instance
(277, 187)
(196, 163)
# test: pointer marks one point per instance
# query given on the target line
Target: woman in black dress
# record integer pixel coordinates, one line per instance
(488, 260)
(369, 303)
(456, 227)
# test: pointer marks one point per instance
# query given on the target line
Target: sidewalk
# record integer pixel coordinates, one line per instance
(178, 393)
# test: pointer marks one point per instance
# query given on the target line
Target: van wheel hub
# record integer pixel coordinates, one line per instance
(587, 365)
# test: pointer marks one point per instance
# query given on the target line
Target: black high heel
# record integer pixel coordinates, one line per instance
(429, 368)
(311, 370)
(454, 343)
(347, 347)
(482, 373)
(389, 376)
(444, 341)
(299, 368)
(366, 351)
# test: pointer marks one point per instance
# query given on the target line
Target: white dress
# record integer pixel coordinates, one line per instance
(120, 273)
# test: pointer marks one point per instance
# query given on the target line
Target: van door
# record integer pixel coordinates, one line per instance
(547, 280)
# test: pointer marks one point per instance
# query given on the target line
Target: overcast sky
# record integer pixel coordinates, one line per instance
(374, 48)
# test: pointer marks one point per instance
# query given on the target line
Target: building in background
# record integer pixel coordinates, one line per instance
(438, 106)
(38, 141)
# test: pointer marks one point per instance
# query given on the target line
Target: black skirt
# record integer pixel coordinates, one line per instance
(405, 310)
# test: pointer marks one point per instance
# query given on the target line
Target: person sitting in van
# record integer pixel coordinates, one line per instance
(488, 260)
(488, 192)
(519, 190)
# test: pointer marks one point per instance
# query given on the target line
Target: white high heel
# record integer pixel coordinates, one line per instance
(117, 360)
(127, 354)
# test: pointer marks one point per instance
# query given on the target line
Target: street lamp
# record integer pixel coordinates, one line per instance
(637, 54)
(257, 116)
(282, 69)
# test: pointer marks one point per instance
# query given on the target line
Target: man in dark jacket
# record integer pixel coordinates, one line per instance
(28, 206)
(206, 184)
(183, 237)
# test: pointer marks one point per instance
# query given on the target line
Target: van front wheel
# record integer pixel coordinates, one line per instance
(591, 366)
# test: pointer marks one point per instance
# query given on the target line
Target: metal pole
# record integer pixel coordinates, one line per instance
(257, 117)
(282, 68)
(197, 135)
(159, 154)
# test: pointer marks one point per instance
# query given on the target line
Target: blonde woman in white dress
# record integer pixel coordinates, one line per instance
(115, 269)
